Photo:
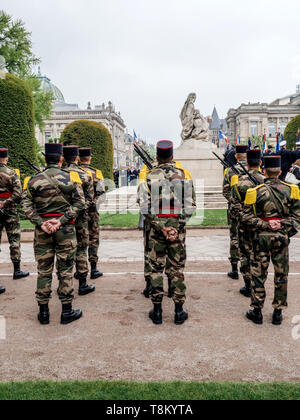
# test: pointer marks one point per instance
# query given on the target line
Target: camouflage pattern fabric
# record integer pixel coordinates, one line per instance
(41, 198)
(63, 245)
(93, 215)
(233, 221)
(160, 197)
(238, 195)
(268, 245)
(9, 218)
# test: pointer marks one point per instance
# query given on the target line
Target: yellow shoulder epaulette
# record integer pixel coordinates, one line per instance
(234, 181)
(226, 171)
(74, 177)
(295, 193)
(178, 165)
(17, 171)
(26, 182)
(87, 171)
(99, 175)
(251, 196)
(143, 174)
(188, 175)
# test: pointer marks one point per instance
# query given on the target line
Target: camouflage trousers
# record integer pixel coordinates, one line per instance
(11, 223)
(147, 250)
(234, 239)
(163, 254)
(61, 245)
(82, 235)
(94, 236)
(246, 253)
(270, 246)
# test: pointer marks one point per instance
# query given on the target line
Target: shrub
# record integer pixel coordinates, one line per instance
(95, 135)
(17, 122)
(290, 134)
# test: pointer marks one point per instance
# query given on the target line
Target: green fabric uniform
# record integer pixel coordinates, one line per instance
(239, 191)
(10, 195)
(233, 221)
(161, 201)
(81, 224)
(41, 201)
(93, 214)
(278, 200)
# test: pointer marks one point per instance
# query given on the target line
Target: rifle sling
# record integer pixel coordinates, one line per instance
(57, 188)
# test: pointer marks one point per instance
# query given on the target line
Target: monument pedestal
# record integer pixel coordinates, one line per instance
(197, 156)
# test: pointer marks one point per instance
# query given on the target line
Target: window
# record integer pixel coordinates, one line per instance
(47, 136)
(254, 128)
(282, 127)
(272, 130)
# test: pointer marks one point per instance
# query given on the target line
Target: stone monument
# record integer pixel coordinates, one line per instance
(3, 70)
(196, 151)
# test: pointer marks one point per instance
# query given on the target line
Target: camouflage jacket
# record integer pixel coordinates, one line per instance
(240, 185)
(260, 204)
(167, 191)
(10, 184)
(98, 179)
(228, 174)
(87, 184)
(40, 197)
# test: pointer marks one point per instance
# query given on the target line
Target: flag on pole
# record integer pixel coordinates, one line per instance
(238, 140)
(277, 142)
(265, 146)
(135, 136)
(223, 137)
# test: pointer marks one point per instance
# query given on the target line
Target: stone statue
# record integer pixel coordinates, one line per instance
(3, 70)
(195, 126)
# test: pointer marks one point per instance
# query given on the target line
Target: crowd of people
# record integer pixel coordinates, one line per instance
(126, 176)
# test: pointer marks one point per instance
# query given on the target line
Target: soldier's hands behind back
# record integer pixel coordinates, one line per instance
(275, 225)
(51, 226)
(170, 233)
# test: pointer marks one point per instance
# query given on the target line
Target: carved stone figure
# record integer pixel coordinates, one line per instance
(195, 126)
(3, 70)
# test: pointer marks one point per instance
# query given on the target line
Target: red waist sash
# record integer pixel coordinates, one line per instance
(168, 216)
(270, 219)
(50, 215)
(5, 195)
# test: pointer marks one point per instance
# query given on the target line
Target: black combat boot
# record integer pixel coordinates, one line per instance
(234, 273)
(156, 314)
(180, 315)
(44, 315)
(170, 294)
(18, 274)
(277, 317)
(246, 291)
(69, 315)
(84, 288)
(95, 273)
(147, 290)
(255, 316)
(2, 290)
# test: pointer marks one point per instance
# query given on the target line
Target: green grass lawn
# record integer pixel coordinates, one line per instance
(102, 390)
(211, 218)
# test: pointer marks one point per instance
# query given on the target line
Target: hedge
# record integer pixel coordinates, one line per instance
(95, 135)
(17, 131)
(290, 134)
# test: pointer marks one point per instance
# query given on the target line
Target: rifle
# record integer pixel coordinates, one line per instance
(143, 156)
(251, 177)
(32, 166)
(228, 165)
(147, 154)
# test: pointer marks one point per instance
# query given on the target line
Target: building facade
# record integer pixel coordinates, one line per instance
(260, 119)
(64, 113)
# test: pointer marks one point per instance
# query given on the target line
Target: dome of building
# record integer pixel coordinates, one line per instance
(50, 87)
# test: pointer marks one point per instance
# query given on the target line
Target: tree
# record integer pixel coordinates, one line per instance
(16, 46)
(290, 134)
(16, 49)
(95, 135)
(17, 122)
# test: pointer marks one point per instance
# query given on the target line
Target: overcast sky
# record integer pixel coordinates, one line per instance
(148, 55)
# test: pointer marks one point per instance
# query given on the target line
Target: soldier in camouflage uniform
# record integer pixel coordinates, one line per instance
(52, 200)
(272, 210)
(71, 156)
(93, 214)
(10, 197)
(146, 228)
(167, 200)
(233, 221)
(241, 184)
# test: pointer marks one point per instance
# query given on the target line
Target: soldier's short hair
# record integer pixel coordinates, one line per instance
(254, 163)
(241, 156)
(273, 172)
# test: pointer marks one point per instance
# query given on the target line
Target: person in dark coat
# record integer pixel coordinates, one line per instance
(286, 160)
